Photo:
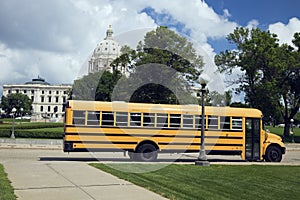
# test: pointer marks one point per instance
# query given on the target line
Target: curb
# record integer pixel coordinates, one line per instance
(54, 144)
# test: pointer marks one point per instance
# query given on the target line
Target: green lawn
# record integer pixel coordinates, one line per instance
(279, 131)
(6, 190)
(215, 182)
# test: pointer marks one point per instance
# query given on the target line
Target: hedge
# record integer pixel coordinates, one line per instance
(33, 133)
(35, 125)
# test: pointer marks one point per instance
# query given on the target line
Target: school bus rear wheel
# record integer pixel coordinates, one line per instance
(146, 153)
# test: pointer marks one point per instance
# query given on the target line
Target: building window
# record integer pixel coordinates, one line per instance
(49, 99)
(65, 92)
(32, 91)
(17, 91)
(9, 91)
(49, 91)
(42, 99)
(42, 109)
(49, 108)
(32, 98)
(56, 99)
(25, 91)
(64, 99)
(57, 92)
(43, 91)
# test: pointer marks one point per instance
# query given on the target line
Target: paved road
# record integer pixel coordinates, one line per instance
(45, 172)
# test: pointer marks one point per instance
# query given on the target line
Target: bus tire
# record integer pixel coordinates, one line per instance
(273, 154)
(146, 153)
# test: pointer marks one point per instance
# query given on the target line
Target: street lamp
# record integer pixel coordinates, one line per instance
(292, 130)
(21, 112)
(12, 136)
(202, 160)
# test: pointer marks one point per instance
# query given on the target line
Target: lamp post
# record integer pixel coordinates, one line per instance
(202, 160)
(292, 130)
(12, 136)
(21, 112)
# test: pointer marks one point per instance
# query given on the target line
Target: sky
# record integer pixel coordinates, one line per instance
(54, 38)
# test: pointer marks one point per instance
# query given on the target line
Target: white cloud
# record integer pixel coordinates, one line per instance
(285, 32)
(54, 38)
(252, 24)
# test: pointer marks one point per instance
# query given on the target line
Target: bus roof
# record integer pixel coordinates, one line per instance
(120, 106)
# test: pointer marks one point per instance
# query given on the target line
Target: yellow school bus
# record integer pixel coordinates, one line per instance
(144, 130)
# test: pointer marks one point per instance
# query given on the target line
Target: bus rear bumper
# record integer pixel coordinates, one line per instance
(68, 146)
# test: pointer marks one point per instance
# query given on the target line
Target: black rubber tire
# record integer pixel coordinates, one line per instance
(146, 153)
(273, 154)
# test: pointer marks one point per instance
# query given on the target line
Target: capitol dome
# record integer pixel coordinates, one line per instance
(105, 52)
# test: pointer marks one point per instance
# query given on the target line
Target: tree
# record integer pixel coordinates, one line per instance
(216, 99)
(160, 48)
(270, 71)
(21, 102)
(95, 86)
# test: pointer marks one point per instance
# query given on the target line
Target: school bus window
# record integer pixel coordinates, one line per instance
(224, 123)
(198, 121)
(149, 119)
(175, 120)
(236, 123)
(135, 119)
(187, 121)
(162, 120)
(107, 118)
(78, 117)
(213, 122)
(122, 118)
(93, 118)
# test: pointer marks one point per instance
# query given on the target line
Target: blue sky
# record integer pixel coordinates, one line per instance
(265, 11)
(54, 38)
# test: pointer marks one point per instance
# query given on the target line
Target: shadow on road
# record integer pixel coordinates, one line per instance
(126, 160)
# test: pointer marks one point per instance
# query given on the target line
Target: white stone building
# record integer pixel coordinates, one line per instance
(105, 53)
(45, 98)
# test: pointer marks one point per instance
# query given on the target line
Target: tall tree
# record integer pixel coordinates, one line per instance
(270, 71)
(21, 102)
(95, 86)
(161, 47)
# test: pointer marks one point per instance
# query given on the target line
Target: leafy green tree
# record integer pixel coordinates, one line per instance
(270, 71)
(95, 86)
(162, 47)
(153, 83)
(216, 99)
(21, 102)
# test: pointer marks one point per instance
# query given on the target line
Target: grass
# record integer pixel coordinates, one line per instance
(6, 190)
(279, 131)
(215, 182)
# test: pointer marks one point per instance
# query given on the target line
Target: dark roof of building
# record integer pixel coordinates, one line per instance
(38, 80)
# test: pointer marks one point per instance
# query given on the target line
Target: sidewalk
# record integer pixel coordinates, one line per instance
(31, 143)
(34, 179)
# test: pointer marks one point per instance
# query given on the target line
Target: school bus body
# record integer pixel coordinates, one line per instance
(140, 127)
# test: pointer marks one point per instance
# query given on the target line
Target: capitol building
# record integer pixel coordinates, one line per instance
(105, 53)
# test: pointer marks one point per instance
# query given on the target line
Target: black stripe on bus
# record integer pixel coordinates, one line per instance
(207, 144)
(100, 142)
(154, 128)
(150, 135)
